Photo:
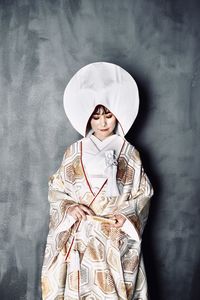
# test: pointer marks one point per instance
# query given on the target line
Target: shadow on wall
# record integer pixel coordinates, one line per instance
(195, 286)
(14, 282)
(134, 136)
(13, 285)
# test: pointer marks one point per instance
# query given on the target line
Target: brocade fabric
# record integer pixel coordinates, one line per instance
(89, 260)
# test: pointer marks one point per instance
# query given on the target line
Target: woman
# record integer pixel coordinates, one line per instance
(99, 197)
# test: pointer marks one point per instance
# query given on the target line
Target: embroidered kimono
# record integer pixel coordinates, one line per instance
(88, 259)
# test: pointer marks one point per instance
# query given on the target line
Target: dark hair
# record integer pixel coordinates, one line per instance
(98, 108)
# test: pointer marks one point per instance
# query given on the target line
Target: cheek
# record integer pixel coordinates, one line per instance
(93, 124)
(113, 123)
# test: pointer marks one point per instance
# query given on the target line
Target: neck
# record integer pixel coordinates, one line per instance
(102, 138)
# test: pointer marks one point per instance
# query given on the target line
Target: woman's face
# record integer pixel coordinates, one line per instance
(103, 123)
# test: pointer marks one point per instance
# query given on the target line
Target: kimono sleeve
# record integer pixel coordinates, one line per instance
(136, 207)
(60, 197)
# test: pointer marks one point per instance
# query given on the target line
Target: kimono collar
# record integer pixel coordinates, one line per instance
(100, 157)
(101, 144)
(94, 146)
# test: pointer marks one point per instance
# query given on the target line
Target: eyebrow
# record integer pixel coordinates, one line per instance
(97, 113)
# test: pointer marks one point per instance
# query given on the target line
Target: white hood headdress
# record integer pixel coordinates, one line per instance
(101, 83)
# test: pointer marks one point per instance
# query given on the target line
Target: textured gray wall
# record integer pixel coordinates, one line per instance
(42, 44)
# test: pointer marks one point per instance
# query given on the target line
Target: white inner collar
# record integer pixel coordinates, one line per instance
(101, 144)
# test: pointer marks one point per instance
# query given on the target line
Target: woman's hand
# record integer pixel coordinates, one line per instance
(79, 212)
(120, 219)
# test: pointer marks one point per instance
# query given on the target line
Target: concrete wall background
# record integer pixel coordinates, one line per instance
(42, 44)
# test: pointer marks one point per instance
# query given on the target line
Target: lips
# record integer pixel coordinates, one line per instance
(103, 129)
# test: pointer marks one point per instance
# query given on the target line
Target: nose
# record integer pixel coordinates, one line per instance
(103, 120)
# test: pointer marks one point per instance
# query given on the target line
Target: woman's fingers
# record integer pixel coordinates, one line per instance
(87, 210)
(80, 217)
(76, 212)
(118, 224)
(81, 213)
(119, 220)
(77, 216)
(71, 210)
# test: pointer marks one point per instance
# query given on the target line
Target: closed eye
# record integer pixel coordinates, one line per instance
(109, 116)
(95, 117)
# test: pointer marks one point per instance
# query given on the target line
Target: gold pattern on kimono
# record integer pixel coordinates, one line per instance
(110, 262)
(54, 219)
(95, 250)
(104, 280)
(115, 235)
(135, 220)
(130, 261)
(80, 246)
(105, 229)
(129, 175)
(129, 289)
(121, 171)
(113, 259)
(62, 238)
(78, 171)
(69, 173)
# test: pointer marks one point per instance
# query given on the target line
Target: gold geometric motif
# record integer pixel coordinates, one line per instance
(129, 174)
(104, 280)
(69, 173)
(129, 289)
(109, 262)
(122, 164)
(95, 250)
(90, 296)
(130, 261)
(78, 171)
(115, 236)
(105, 229)
(113, 259)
